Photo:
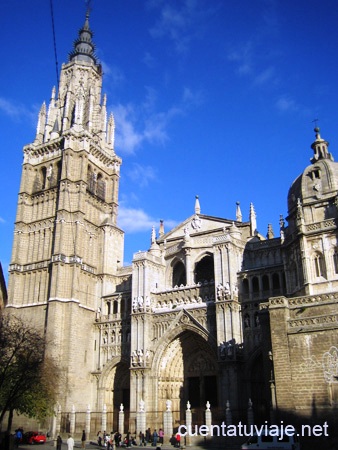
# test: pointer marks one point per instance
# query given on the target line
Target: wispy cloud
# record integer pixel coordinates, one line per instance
(141, 124)
(2, 220)
(266, 76)
(16, 111)
(286, 104)
(134, 220)
(243, 56)
(180, 22)
(141, 175)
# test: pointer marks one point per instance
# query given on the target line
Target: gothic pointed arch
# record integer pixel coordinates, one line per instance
(114, 385)
(179, 275)
(204, 268)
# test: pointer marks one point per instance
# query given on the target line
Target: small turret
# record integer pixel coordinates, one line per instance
(320, 148)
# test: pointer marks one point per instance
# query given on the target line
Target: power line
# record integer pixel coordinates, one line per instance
(54, 42)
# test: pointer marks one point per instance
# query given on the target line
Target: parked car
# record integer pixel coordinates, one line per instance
(270, 442)
(34, 437)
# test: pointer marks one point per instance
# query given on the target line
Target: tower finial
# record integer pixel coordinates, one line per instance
(197, 205)
(84, 47)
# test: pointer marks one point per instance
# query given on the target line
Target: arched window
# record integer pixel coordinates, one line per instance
(179, 274)
(90, 180)
(265, 283)
(43, 177)
(275, 281)
(319, 265)
(204, 269)
(245, 286)
(100, 187)
(335, 260)
(255, 285)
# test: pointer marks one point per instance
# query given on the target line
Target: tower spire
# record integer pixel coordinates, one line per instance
(84, 47)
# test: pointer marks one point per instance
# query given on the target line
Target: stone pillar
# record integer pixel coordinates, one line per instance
(104, 419)
(250, 413)
(72, 421)
(167, 423)
(58, 420)
(53, 427)
(188, 420)
(121, 420)
(88, 417)
(228, 415)
(208, 417)
(141, 418)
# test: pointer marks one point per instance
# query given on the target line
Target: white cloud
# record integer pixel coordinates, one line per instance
(127, 138)
(181, 22)
(13, 109)
(2, 220)
(141, 175)
(266, 76)
(133, 220)
(285, 104)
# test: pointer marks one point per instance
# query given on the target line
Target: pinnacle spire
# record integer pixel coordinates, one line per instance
(197, 205)
(84, 47)
(320, 148)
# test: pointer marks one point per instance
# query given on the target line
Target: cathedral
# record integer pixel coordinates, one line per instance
(213, 313)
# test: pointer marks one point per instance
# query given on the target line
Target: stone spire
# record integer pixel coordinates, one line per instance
(320, 148)
(84, 47)
(270, 233)
(253, 220)
(161, 232)
(197, 205)
(239, 216)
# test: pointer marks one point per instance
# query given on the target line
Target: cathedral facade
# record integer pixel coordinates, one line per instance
(212, 312)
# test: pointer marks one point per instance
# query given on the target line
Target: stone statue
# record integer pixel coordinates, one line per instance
(141, 405)
(121, 407)
(168, 405)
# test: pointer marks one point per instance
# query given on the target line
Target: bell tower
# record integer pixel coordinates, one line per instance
(67, 247)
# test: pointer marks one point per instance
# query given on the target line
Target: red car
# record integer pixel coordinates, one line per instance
(34, 437)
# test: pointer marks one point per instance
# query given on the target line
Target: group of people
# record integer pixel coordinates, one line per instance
(115, 438)
(108, 440)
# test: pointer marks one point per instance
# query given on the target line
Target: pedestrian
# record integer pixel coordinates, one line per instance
(178, 440)
(17, 437)
(160, 435)
(155, 438)
(70, 442)
(83, 439)
(58, 442)
(99, 438)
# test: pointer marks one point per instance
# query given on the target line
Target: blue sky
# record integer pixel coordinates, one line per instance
(210, 97)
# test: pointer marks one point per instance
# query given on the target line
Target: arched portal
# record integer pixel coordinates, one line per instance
(187, 371)
(117, 391)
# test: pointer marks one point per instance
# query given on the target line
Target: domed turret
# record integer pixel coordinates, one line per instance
(318, 182)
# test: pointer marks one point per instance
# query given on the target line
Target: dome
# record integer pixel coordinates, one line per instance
(319, 181)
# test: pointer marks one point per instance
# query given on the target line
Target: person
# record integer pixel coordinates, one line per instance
(99, 438)
(160, 435)
(58, 442)
(148, 435)
(83, 439)
(155, 438)
(141, 438)
(70, 442)
(178, 440)
(17, 437)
